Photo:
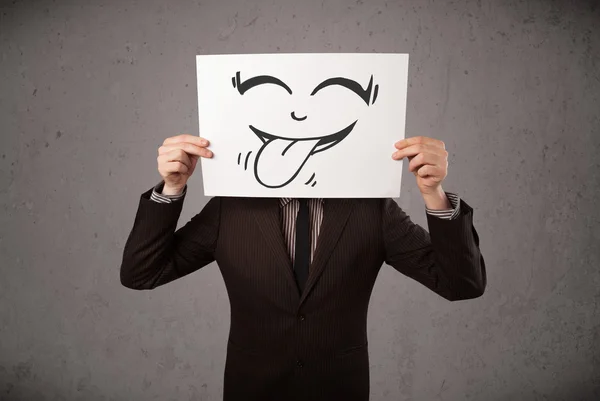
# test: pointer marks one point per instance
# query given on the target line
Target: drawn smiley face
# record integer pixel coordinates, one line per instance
(291, 153)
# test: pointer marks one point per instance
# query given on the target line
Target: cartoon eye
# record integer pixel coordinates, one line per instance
(250, 83)
(365, 94)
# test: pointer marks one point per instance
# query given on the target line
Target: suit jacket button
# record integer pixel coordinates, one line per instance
(301, 317)
(299, 363)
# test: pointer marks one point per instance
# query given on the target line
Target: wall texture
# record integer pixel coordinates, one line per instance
(88, 93)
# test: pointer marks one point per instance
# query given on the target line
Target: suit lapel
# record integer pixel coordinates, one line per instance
(335, 215)
(267, 215)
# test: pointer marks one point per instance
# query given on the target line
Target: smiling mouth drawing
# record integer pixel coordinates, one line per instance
(289, 154)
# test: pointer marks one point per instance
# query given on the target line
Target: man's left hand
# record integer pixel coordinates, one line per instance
(429, 163)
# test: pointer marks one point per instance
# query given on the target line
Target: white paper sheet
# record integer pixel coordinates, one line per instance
(302, 125)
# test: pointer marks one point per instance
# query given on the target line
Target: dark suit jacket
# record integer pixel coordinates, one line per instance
(284, 345)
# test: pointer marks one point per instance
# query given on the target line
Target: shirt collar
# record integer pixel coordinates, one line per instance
(284, 201)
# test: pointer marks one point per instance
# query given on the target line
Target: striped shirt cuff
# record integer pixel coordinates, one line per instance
(447, 214)
(159, 197)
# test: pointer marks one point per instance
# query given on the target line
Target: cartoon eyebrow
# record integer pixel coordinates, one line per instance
(243, 87)
(354, 86)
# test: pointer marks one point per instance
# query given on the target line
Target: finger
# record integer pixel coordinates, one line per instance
(423, 159)
(186, 138)
(414, 150)
(179, 155)
(176, 155)
(194, 161)
(419, 140)
(411, 151)
(189, 148)
(423, 140)
(193, 139)
(429, 171)
(174, 167)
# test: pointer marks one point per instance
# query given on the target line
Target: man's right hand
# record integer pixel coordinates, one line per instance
(177, 158)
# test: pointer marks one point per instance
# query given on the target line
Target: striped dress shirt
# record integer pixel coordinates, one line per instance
(289, 211)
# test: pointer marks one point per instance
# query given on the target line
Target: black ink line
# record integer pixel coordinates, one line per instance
(314, 183)
(297, 118)
(246, 162)
(354, 86)
(375, 94)
(257, 158)
(233, 81)
(323, 140)
(287, 147)
(333, 140)
(250, 83)
(310, 179)
(239, 155)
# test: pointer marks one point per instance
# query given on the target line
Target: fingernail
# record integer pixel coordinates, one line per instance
(203, 142)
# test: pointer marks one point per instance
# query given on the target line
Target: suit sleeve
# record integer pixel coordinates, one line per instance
(156, 254)
(447, 260)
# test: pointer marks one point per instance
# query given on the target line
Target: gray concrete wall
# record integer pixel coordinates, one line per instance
(87, 94)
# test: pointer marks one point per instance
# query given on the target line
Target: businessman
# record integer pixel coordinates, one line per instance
(299, 272)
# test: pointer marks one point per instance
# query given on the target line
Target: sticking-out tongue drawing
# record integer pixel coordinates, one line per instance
(291, 154)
